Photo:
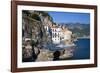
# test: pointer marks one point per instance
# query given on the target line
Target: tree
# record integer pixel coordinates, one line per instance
(26, 12)
(35, 16)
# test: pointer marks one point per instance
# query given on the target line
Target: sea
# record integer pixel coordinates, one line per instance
(82, 50)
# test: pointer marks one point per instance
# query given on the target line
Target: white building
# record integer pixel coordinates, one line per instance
(46, 28)
(66, 34)
(56, 32)
(60, 34)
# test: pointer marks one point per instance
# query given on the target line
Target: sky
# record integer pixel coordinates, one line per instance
(70, 17)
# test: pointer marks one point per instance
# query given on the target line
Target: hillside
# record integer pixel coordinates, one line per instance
(80, 30)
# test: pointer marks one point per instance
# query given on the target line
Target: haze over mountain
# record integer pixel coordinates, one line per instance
(79, 29)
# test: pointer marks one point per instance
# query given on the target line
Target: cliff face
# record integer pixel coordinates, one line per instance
(33, 26)
(35, 34)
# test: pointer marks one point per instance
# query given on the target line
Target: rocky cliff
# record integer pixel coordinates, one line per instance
(34, 37)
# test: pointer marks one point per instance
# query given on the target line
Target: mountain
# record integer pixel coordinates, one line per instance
(79, 29)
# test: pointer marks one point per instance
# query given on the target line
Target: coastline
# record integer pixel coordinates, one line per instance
(83, 37)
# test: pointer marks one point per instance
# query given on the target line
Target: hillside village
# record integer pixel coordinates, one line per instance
(59, 34)
(38, 29)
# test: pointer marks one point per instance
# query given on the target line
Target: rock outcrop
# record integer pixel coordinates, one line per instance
(34, 36)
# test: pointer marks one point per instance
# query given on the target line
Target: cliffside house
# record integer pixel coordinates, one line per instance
(56, 32)
(66, 35)
(60, 35)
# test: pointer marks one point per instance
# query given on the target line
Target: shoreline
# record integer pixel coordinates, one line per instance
(83, 37)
